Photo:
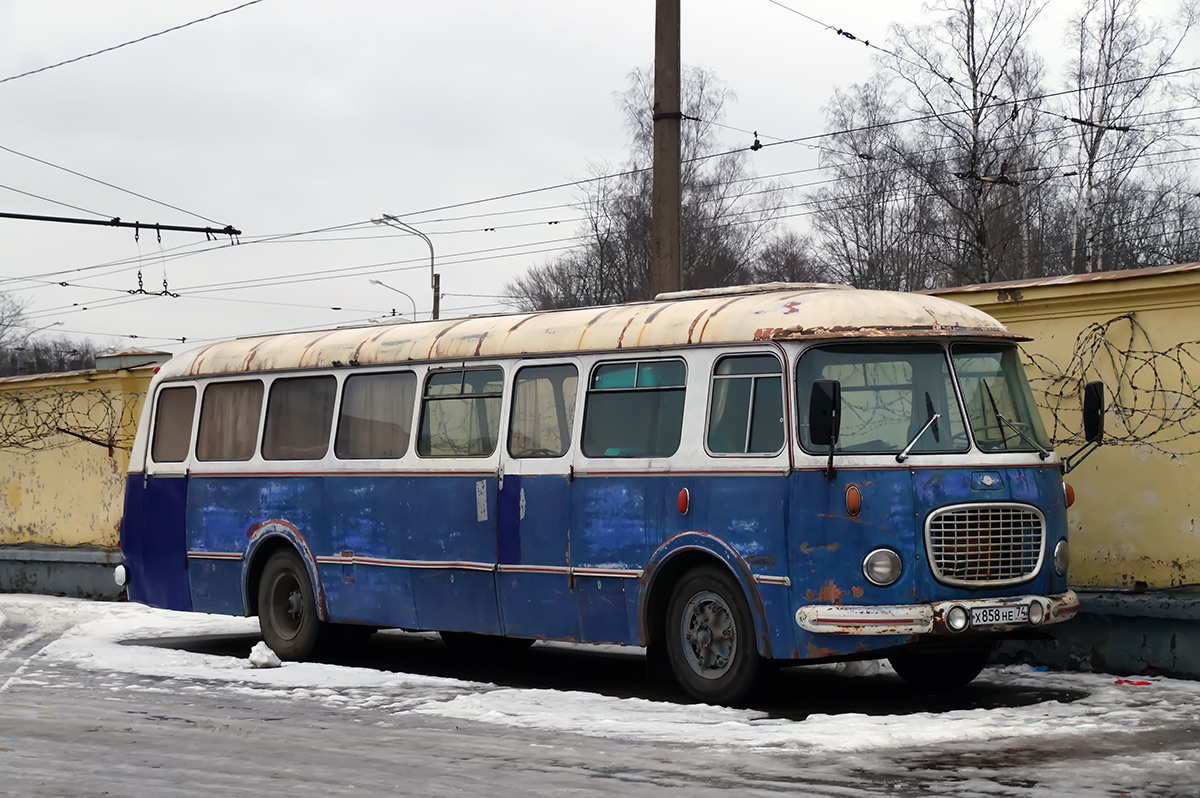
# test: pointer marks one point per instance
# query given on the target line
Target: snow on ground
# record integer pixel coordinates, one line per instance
(89, 635)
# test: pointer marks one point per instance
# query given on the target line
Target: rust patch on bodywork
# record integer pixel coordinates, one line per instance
(816, 652)
(764, 560)
(856, 591)
(625, 329)
(692, 326)
(807, 549)
(830, 593)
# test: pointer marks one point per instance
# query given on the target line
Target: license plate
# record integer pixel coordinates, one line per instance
(999, 616)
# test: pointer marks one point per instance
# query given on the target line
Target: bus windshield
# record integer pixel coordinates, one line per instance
(999, 403)
(890, 394)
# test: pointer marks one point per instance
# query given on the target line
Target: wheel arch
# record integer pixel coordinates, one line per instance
(672, 561)
(265, 541)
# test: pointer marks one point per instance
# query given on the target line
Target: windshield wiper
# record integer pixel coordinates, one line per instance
(1042, 453)
(900, 458)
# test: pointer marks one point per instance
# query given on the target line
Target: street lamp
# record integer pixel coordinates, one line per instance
(435, 279)
(398, 291)
(24, 340)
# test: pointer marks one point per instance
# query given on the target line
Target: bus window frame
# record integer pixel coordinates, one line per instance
(576, 427)
(472, 461)
(853, 458)
(173, 466)
(255, 455)
(638, 358)
(418, 373)
(720, 354)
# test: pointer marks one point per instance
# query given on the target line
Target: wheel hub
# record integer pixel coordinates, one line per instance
(710, 635)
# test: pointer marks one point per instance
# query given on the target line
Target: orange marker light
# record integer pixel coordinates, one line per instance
(853, 500)
(1069, 494)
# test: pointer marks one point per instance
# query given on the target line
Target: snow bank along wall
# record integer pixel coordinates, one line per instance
(1135, 545)
(64, 450)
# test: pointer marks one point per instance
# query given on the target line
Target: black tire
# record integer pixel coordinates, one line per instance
(287, 608)
(710, 638)
(940, 670)
(473, 644)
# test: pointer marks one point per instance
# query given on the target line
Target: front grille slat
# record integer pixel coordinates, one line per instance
(978, 545)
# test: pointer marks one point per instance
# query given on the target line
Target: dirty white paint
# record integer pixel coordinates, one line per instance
(481, 513)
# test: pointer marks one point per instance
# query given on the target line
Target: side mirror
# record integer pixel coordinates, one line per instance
(1093, 412)
(825, 412)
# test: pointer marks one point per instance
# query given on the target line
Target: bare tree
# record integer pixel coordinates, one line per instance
(976, 151)
(1116, 83)
(875, 225)
(787, 258)
(726, 217)
(12, 321)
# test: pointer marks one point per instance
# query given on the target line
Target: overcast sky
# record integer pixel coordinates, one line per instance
(295, 115)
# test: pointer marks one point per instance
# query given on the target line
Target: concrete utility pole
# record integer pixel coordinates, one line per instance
(666, 214)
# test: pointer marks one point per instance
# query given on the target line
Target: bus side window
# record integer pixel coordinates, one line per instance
(173, 424)
(746, 406)
(634, 409)
(299, 417)
(460, 415)
(376, 416)
(229, 414)
(543, 411)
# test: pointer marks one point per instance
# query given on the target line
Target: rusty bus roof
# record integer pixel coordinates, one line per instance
(774, 312)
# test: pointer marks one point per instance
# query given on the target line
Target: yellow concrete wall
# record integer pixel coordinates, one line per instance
(1134, 519)
(56, 489)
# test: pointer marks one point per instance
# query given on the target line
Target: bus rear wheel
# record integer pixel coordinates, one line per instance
(287, 607)
(940, 669)
(710, 638)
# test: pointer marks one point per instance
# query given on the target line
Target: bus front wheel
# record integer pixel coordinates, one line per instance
(287, 607)
(710, 638)
(938, 670)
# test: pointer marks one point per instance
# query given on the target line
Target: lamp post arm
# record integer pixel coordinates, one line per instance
(434, 278)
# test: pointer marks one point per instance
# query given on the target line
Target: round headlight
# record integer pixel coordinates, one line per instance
(957, 619)
(1062, 558)
(1037, 613)
(881, 567)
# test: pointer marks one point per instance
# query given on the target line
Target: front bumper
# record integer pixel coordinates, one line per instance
(928, 618)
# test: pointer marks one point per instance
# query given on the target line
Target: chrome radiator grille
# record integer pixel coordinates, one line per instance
(985, 544)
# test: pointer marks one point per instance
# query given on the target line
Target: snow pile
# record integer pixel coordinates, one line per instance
(96, 636)
(2, 620)
(261, 656)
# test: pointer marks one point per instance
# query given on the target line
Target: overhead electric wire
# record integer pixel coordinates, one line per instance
(55, 202)
(132, 41)
(111, 185)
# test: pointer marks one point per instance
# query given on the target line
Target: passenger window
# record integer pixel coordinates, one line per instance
(376, 416)
(229, 420)
(461, 413)
(746, 406)
(634, 409)
(173, 424)
(299, 418)
(543, 411)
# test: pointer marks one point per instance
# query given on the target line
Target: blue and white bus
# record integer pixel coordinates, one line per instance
(732, 478)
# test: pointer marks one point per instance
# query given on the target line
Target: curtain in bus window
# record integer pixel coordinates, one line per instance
(461, 414)
(229, 420)
(173, 424)
(543, 411)
(376, 416)
(746, 415)
(635, 409)
(299, 418)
